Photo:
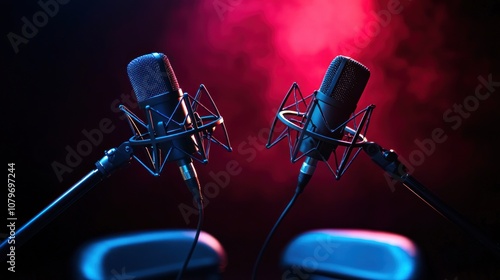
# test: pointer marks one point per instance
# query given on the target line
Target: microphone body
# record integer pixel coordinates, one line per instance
(156, 88)
(336, 100)
(177, 121)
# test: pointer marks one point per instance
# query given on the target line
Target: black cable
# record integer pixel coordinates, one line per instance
(196, 237)
(259, 257)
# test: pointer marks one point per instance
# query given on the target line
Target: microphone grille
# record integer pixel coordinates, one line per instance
(345, 80)
(151, 75)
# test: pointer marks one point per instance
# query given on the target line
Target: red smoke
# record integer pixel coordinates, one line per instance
(248, 54)
(420, 66)
(433, 82)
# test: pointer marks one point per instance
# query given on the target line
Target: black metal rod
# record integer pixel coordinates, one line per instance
(47, 215)
(388, 161)
(114, 158)
(434, 202)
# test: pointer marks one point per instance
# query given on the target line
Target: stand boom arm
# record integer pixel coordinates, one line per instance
(388, 160)
(113, 159)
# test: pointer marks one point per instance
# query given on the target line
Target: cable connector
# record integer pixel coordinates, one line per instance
(191, 178)
(306, 171)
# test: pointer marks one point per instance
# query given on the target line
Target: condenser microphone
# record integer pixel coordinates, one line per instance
(337, 99)
(156, 87)
(321, 126)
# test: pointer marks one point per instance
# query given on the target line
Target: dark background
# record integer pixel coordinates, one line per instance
(425, 58)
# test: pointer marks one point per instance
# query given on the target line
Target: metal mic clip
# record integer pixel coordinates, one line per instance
(153, 148)
(292, 119)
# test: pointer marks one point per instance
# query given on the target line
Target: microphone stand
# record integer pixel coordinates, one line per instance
(388, 161)
(113, 160)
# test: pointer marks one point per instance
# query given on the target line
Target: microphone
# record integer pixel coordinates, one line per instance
(321, 127)
(156, 87)
(336, 101)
